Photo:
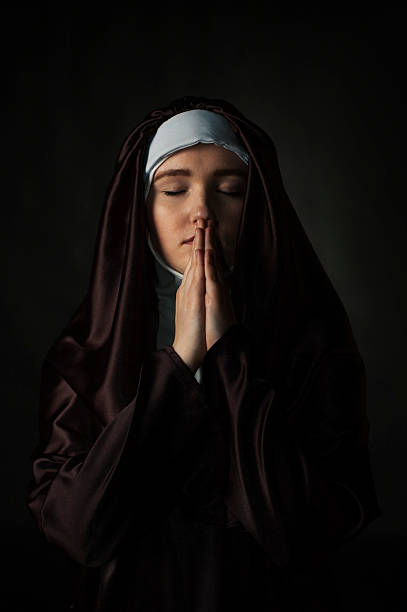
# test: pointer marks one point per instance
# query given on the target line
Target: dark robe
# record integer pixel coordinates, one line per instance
(227, 495)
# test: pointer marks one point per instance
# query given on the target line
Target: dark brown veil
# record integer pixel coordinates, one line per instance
(281, 293)
(280, 290)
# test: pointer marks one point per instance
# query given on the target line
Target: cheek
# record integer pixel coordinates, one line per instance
(165, 224)
(232, 219)
(157, 217)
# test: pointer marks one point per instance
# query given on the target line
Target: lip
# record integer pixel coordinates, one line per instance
(189, 240)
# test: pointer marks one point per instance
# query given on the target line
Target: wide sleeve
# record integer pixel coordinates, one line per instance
(300, 479)
(92, 482)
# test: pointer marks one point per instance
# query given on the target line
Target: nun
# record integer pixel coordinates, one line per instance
(204, 439)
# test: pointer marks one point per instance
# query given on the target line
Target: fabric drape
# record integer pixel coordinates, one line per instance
(168, 491)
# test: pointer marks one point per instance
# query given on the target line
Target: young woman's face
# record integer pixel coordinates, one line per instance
(203, 181)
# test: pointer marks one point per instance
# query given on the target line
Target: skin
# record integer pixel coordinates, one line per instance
(208, 207)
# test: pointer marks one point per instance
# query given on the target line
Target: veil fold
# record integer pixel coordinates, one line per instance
(280, 290)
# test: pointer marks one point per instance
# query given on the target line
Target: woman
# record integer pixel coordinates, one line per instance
(204, 439)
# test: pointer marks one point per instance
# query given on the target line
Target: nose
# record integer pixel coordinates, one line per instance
(202, 210)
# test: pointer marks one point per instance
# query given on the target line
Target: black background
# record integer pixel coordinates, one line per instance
(328, 90)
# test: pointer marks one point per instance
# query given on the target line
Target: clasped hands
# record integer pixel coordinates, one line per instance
(204, 308)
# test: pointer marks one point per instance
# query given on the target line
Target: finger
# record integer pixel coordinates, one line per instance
(199, 238)
(191, 262)
(220, 260)
(209, 237)
(199, 248)
(220, 256)
(195, 271)
(217, 248)
(188, 266)
(211, 272)
(186, 271)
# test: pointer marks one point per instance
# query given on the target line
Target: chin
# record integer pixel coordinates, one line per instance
(179, 266)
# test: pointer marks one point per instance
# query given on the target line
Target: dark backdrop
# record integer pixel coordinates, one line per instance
(327, 88)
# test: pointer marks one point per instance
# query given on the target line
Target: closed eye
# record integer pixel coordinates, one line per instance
(232, 193)
(229, 193)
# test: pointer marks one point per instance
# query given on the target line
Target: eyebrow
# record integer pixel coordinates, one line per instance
(187, 172)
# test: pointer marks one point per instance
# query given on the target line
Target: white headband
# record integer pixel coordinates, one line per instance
(185, 130)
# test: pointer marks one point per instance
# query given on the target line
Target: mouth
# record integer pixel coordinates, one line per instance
(189, 240)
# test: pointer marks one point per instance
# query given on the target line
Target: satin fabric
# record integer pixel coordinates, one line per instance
(139, 468)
